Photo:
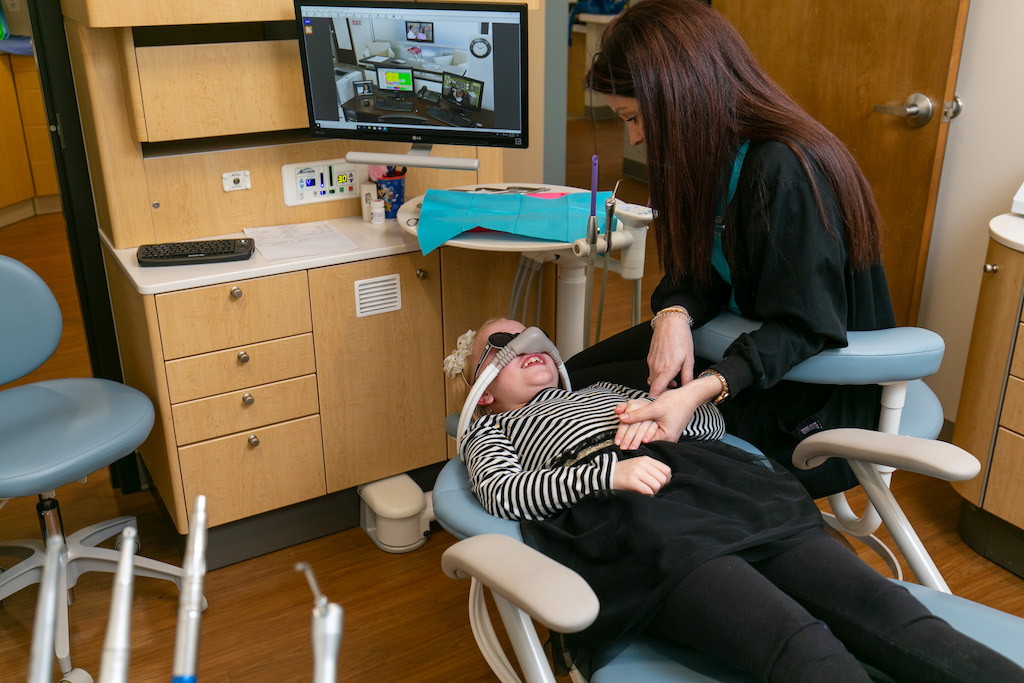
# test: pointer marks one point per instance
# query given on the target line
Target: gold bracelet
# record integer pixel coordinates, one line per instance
(721, 378)
(672, 310)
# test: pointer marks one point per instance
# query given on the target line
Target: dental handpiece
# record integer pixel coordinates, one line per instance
(117, 645)
(190, 601)
(326, 631)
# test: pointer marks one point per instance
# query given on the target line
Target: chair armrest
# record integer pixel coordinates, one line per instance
(551, 593)
(924, 456)
(871, 357)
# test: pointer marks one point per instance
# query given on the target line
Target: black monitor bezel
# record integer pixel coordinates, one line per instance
(417, 40)
(428, 135)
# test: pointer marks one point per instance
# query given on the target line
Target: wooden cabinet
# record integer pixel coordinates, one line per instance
(275, 390)
(241, 395)
(15, 176)
(990, 418)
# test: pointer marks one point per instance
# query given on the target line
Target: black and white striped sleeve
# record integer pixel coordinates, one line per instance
(707, 423)
(505, 489)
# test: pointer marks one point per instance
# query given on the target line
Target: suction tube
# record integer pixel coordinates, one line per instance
(530, 340)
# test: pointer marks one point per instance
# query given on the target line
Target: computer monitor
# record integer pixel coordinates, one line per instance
(461, 92)
(419, 31)
(394, 80)
(363, 88)
(475, 45)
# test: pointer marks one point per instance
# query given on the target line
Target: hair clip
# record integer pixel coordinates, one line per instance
(455, 362)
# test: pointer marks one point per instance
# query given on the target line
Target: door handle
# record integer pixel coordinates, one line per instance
(916, 109)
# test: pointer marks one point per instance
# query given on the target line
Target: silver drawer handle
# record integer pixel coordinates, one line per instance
(254, 440)
(243, 357)
(236, 292)
(991, 267)
(247, 399)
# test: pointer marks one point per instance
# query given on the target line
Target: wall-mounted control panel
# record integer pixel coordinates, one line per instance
(319, 181)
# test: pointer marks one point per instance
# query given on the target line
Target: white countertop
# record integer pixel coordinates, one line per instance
(1008, 230)
(373, 241)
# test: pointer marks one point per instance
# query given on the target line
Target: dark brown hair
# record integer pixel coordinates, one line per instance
(700, 91)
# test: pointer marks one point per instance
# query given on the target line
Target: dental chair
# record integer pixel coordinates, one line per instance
(53, 433)
(527, 586)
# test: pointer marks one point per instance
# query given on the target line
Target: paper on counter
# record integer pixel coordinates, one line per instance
(279, 242)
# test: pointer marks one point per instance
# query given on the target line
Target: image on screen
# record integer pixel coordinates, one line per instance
(395, 80)
(434, 66)
(420, 31)
(461, 92)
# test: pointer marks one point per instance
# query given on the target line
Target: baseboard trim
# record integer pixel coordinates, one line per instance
(16, 213)
(245, 539)
(992, 537)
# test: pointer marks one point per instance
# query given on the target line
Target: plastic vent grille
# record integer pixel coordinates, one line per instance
(378, 295)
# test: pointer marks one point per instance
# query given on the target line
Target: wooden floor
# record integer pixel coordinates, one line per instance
(404, 620)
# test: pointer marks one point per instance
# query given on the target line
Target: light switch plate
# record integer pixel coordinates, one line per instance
(236, 180)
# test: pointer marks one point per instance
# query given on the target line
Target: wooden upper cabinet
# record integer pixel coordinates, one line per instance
(114, 13)
(15, 179)
(207, 90)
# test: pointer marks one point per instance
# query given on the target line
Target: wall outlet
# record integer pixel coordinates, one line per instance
(236, 180)
(319, 181)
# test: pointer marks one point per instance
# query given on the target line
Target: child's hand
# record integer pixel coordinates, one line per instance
(643, 475)
(629, 437)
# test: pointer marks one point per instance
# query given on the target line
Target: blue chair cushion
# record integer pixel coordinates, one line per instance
(58, 431)
(655, 661)
(871, 357)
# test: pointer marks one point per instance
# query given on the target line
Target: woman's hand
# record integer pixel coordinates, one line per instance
(671, 353)
(671, 411)
(642, 474)
(630, 437)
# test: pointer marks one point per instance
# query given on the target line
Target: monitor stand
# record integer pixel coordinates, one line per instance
(418, 157)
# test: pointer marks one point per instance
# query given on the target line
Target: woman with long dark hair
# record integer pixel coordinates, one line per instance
(762, 211)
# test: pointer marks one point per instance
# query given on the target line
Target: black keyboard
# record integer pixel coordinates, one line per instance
(449, 118)
(390, 105)
(206, 251)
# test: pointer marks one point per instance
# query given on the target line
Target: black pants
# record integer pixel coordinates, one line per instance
(810, 613)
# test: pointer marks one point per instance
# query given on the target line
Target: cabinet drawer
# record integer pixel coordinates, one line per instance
(1004, 494)
(237, 368)
(207, 319)
(232, 412)
(1017, 364)
(241, 480)
(1012, 414)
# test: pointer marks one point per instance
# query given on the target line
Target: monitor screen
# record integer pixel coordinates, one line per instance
(461, 92)
(419, 31)
(445, 76)
(399, 80)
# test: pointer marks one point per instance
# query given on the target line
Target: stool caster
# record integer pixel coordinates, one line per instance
(77, 676)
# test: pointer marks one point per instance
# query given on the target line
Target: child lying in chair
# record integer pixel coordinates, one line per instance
(695, 542)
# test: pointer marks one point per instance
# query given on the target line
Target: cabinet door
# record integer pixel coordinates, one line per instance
(995, 325)
(379, 375)
(15, 177)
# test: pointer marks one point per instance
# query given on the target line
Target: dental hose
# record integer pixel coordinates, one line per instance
(530, 340)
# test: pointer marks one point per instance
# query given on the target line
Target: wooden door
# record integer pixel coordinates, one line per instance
(838, 60)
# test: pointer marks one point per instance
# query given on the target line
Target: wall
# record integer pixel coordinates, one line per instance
(984, 166)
